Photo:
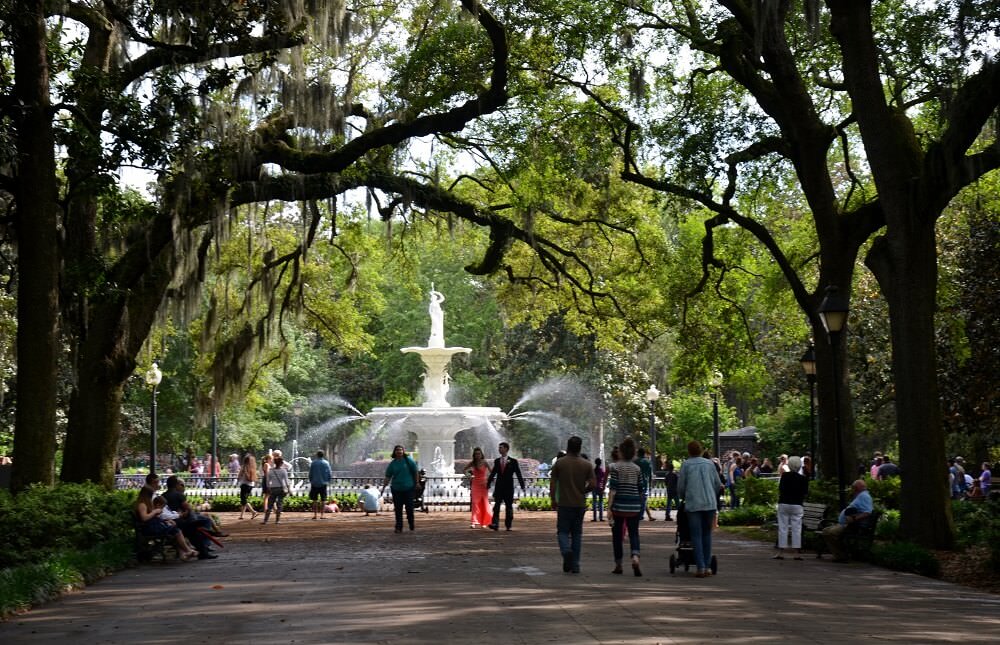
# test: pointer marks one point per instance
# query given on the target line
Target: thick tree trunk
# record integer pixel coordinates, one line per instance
(116, 329)
(905, 264)
(95, 406)
(38, 256)
(94, 427)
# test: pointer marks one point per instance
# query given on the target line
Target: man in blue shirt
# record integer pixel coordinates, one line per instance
(859, 510)
(320, 475)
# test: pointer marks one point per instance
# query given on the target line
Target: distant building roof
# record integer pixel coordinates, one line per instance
(749, 431)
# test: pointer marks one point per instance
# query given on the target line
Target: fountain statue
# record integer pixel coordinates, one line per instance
(437, 319)
(436, 422)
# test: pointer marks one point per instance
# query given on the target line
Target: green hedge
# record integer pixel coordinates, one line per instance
(534, 504)
(30, 584)
(748, 515)
(222, 503)
(904, 556)
(754, 491)
(45, 520)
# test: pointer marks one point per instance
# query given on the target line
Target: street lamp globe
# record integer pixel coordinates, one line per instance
(652, 394)
(154, 376)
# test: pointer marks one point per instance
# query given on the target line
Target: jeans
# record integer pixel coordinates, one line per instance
(633, 535)
(789, 517)
(734, 498)
(402, 499)
(700, 524)
(274, 501)
(569, 530)
(597, 502)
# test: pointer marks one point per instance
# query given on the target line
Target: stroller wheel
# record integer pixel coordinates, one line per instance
(673, 563)
(714, 565)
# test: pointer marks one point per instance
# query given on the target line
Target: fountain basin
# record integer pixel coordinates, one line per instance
(436, 429)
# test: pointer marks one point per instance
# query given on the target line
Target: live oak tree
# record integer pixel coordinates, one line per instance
(874, 111)
(226, 104)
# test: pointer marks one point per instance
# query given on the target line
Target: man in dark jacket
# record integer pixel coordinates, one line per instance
(504, 469)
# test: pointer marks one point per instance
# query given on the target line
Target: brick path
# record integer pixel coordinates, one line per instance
(352, 580)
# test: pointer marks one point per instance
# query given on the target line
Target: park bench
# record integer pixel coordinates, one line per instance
(858, 538)
(149, 547)
(814, 520)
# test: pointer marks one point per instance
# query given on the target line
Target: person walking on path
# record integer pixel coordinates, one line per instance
(320, 475)
(266, 463)
(246, 478)
(597, 496)
(277, 487)
(478, 473)
(985, 479)
(699, 486)
(573, 477)
(792, 490)
(625, 505)
(504, 470)
(670, 479)
(401, 477)
(647, 475)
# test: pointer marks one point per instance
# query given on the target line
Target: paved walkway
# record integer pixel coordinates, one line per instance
(352, 580)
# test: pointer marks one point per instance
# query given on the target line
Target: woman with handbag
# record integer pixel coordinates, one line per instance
(625, 488)
(277, 487)
(246, 478)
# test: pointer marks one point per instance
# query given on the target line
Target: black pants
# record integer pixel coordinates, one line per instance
(402, 499)
(190, 525)
(508, 501)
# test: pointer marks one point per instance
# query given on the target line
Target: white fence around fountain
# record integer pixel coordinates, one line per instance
(441, 493)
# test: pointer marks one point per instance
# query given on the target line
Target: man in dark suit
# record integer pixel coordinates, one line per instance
(504, 469)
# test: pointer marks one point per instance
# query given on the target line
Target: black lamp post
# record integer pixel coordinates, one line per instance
(297, 411)
(833, 312)
(652, 395)
(716, 383)
(215, 437)
(153, 378)
(808, 361)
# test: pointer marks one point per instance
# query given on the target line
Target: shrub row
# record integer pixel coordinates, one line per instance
(45, 520)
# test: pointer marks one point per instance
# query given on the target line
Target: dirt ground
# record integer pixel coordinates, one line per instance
(351, 579)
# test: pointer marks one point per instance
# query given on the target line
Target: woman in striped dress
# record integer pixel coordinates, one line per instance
(625, 488)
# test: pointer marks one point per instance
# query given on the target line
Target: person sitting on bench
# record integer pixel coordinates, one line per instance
(153, 525)
(189, 521)
(858, 510)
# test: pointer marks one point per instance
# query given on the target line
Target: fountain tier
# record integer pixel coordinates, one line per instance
(436, 429)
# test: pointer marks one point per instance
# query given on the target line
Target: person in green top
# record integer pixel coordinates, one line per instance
(402, 474)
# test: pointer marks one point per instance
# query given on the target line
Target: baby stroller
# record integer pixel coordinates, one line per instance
(685, 549)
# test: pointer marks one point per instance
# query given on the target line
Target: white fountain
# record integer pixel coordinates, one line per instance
(436, 422)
